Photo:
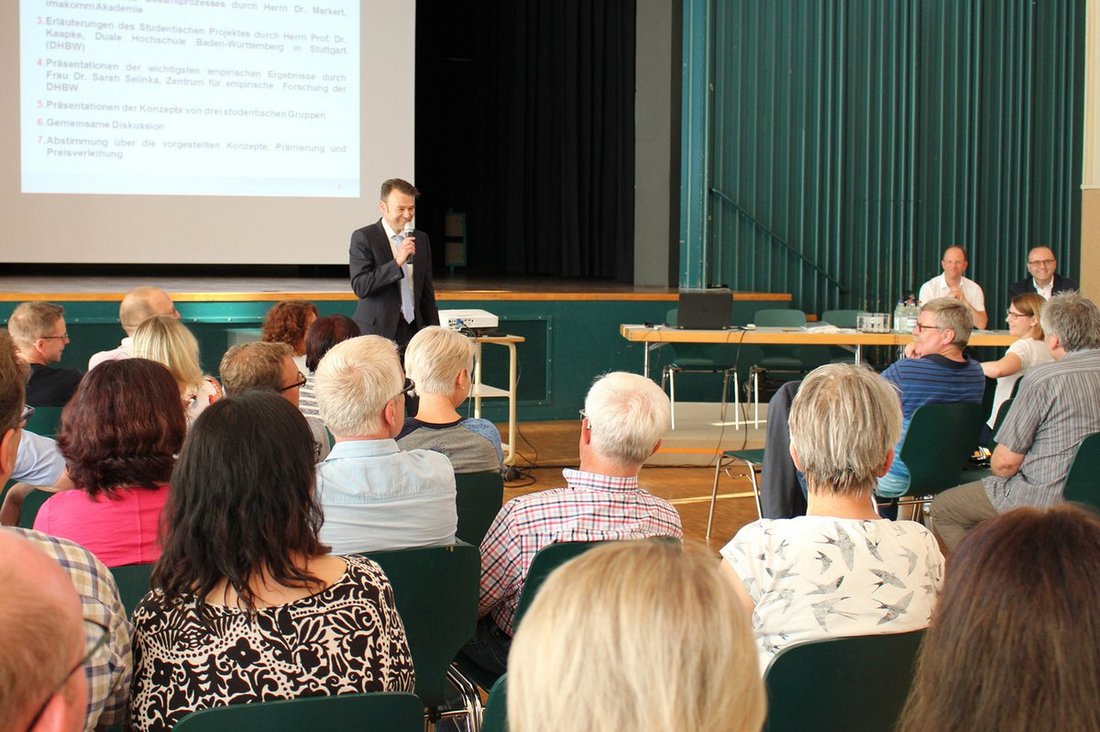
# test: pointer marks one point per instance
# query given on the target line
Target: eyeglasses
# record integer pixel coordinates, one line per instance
(92, 629)
(296, 385)
(921, 326)
(1042, 262)
(408, 389)
(63, 337)
(1011, 314)
(584, 417)
(28, 412)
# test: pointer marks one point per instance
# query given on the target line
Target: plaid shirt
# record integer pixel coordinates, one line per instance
(591, 508)
(109, 670)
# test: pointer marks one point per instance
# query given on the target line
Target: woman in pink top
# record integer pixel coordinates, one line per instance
(119, 436)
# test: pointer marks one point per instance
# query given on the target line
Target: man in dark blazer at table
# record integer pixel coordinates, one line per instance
(1043, 280)
(391, 269)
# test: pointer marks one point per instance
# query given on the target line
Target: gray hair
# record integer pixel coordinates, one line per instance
(843, 422)
(32, 320)
(951, 314)
(435, 356)
(1074, 319)
(627, 415)
(354, 382)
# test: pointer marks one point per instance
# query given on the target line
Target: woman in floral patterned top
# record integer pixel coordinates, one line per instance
(247, 605)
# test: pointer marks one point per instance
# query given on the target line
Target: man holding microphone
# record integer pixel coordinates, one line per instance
(391, 269)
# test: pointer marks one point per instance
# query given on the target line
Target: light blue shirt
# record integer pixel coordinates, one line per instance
(38, 461)
(378, 497)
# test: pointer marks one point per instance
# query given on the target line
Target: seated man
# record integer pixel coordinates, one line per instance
(374, 495)
(840, 569)
(38, 329)
(1058, 405)
(624, 417)
(1041, 265)
(137, 306)
(934, 371)
(952, 284)
(269, 366)
(439, 361)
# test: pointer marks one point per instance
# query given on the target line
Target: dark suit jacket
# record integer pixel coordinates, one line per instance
(375, 279)
(1027, 285)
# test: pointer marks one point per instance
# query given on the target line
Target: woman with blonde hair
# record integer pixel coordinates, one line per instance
(167, 341)
(1015, 641)
(635, 635)
(1030, 350)
(439, 362)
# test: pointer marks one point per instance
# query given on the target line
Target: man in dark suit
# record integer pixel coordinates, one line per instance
(1043, 280)
(391, 269)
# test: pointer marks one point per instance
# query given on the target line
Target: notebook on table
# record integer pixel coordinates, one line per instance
(710, 309)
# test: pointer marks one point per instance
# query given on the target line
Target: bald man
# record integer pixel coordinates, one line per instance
(1044, 280)
(42, 685)
(953, 284)
(137, 306)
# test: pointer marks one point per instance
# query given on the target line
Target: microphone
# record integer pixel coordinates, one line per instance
(408, 230)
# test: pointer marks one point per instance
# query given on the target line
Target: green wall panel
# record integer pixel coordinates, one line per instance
(850, 141)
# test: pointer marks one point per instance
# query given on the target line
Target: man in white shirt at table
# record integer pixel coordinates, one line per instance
(952, 284)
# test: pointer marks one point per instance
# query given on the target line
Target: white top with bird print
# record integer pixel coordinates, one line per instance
(814, 577)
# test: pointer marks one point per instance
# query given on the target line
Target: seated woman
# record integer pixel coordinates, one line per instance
(287, 322)
(840, 569)
(119, 436)
(635, 635)
(1030, 350)
(1014, 644)
(322, 335)
(164, 339)
(247, 604)
(439, 362)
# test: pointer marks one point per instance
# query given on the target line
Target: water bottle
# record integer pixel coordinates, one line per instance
(900, 316)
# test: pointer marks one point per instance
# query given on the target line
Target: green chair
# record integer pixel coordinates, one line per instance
(496, 709)
(480, 496)
(378, 712)
(855, 684)
(698, 358)
(436, 591)
(752, 459)
(1083, 481)
(31, 503)
(841, 319)
(784, 360)
(940, 441)
(44, 421)
(133, 583)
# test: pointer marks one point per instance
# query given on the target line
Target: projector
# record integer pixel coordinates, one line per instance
(468, 319)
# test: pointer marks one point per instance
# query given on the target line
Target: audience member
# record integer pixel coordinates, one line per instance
(167, 341)
(1030, 350)
(952, 284)
(43, 640)
(137, 306)
(840, 569)
(935, 371)
(322, 335)
(108, 669)
(288, 322)
(1044, 281)
(1014, 644)
(247, 604)
(440, 361)
(271, 367)
(374, 495)
(584, 658)
(1057, 406)
(38, 329)
(119, 436)
(623, 420)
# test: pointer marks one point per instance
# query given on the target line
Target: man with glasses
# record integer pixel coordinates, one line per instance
(260, 365)
(38, 329)
(622, 423)
(934, 371)
(1041, 265)
(374, 495)
(1057, 407)
(65, 659)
